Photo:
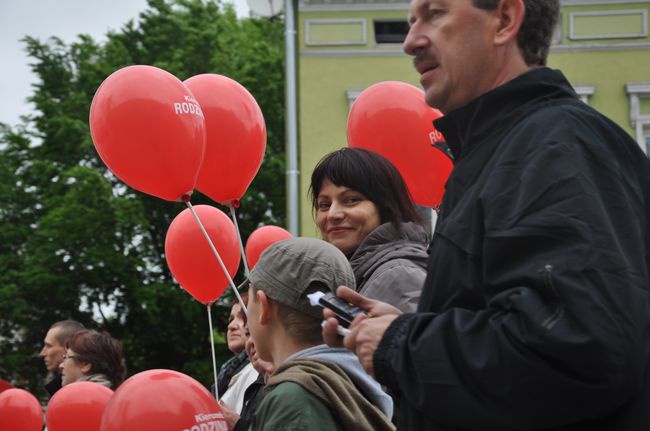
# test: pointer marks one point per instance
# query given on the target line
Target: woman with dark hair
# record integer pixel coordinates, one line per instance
(363, 207)
(93, 356)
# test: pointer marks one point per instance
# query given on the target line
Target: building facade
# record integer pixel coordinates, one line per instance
(344, 46)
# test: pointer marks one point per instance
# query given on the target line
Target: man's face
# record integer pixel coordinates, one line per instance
(451, 41)
(52, 352)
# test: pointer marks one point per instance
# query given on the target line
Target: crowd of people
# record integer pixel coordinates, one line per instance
(72, 353)
(529, 306)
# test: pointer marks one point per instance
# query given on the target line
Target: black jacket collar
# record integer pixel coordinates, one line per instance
(54, 384)
(497, 109)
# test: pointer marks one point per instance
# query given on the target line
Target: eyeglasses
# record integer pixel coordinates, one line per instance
(66, 356)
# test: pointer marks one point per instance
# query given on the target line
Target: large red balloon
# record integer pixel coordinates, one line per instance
(20, 411)
(77, 407)
(162, 400)
(236, 137)
(190, 257)
(392, 119)
(260, 239)
(149, 131)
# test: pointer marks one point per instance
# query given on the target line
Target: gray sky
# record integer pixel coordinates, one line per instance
(62, 18)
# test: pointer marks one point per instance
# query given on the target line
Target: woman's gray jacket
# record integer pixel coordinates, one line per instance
(390, 266)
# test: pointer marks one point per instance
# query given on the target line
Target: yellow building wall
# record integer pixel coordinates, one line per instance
(327, 72)
(324, 107)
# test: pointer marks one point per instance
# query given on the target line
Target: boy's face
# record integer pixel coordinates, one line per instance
(258, 332)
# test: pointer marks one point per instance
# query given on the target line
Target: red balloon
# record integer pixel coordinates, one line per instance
(77, 407)
(260, 239)
(392, 119)
(236, 137)
(4, 385)
(190, 257)
(162, 400)
(20, 411)
(149, 131)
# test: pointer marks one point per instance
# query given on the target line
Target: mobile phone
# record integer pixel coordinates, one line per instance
(344, 311)
(339, 329)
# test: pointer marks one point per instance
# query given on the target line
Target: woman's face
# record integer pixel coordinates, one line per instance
(236, 329)
(72, 369)
(344, 216)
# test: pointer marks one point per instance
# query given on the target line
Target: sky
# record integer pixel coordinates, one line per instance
(65, 19)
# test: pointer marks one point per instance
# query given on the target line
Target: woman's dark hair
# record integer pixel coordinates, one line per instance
(101, 351)
(371, 175)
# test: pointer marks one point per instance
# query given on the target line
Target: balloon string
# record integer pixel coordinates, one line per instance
(216, 253)
(241, 244)
(214, 360)
(434, 219)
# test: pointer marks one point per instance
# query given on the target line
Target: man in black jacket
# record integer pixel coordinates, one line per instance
(54, 349)
(535, 312)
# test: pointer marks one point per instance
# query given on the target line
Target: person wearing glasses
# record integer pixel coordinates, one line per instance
(93, 356)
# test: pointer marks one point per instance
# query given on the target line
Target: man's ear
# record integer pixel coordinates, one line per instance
(267, 308)
(511, 15)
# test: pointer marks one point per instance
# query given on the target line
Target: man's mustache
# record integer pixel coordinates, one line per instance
(423, 56)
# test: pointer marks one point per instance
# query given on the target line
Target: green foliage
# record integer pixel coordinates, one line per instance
(77, 243)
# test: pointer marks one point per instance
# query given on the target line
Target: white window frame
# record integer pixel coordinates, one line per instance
(640, 122)
(642, 12)
(363, 33)
(584, 92)
(352, 96)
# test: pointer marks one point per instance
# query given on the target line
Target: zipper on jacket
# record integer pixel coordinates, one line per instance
(552, 320)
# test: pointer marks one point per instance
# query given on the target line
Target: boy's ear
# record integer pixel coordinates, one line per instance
(267, 307)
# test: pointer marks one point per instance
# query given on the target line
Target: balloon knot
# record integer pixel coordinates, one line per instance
(235, 203)
(185, 198)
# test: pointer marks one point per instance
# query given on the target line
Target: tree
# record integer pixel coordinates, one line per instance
(77, 243)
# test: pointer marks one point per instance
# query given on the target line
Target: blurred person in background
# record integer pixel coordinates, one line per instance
(54, 349)
(237, 374)
(236, 340)
(92, 356)
(254, 392)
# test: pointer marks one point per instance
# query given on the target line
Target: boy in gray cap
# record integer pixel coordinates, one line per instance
(314, 387)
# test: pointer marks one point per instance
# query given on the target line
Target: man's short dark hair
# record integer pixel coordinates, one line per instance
(536, 31)
(67, 328)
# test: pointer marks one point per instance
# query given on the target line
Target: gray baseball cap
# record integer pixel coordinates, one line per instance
(287, 269)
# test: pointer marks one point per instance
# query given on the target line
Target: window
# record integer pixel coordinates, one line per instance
(639, 94)
(584, 92)
(352, 96)
(390, 31)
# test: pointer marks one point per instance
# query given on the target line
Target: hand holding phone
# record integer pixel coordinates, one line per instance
(344, 311)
